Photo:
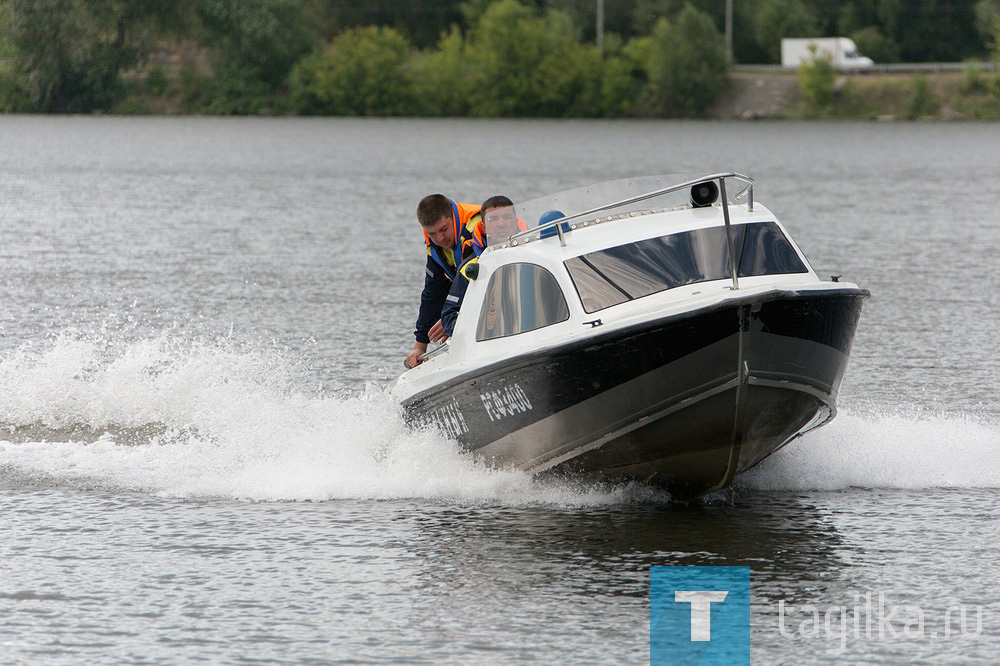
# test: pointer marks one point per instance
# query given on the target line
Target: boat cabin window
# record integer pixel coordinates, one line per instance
(520, 298)
(624, 273)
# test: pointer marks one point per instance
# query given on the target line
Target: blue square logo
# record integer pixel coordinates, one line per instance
(699, 615)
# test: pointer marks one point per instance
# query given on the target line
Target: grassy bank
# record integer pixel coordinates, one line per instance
(173, 82)
(972, 94)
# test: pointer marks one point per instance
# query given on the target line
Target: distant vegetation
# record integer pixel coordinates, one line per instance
(972, 94)
(662, 58)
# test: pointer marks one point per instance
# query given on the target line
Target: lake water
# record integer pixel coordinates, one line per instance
(198, 462)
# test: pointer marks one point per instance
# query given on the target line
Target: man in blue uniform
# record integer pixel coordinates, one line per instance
(448, 229)
(499, 221)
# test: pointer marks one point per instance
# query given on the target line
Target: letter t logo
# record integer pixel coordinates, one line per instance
(701, 610)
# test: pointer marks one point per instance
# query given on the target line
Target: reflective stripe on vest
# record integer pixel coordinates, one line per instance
(464, 217)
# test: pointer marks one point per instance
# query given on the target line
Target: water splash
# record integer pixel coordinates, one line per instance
(885, 451)
(206, 420)
(191, 419)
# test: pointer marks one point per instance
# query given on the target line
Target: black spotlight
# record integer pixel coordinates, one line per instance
(704, 194)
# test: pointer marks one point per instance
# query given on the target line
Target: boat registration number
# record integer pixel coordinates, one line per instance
(505, 401)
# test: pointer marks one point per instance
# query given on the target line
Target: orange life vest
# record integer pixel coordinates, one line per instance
(478, 242)
(464, 216)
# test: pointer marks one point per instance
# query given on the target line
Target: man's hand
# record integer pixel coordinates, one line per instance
(413, 359)
(437, 334)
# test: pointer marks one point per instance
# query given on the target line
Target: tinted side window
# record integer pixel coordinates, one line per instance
(627, 272)
(520, 298)
(762, 249)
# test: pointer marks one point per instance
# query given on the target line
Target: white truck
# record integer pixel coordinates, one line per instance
(843, 51)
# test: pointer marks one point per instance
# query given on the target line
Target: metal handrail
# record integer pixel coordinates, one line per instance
(440, 349)
(721, 177)
(642, 197)
(729, 232)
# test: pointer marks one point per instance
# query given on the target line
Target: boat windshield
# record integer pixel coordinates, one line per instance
(613, 197)
(627, 272)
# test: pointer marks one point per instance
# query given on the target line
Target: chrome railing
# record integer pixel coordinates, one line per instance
(747, 192)
(437, 351)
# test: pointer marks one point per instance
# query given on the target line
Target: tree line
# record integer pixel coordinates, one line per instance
(440, 57)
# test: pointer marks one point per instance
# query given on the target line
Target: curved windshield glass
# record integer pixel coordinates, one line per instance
(608, 196)
(624, 273)
(520, 298)
(502, 223)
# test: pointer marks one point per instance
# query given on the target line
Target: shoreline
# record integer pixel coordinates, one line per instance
(943, 96)
(923, 96)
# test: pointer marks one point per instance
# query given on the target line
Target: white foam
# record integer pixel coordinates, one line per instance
(230, 423)
(194, 419)
(885, 451)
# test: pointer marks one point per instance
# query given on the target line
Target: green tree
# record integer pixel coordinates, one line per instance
(687, 67)
(646, 14)
(422, 21)
(875, 45)
(362, 73)
(816, 77)
(618, 17)
(926, 31)
(444, 79)
(255, 45)
(532, 65)
(69, 53)
(922, 101)
(777, 19)
(937, 31)
(826, 16)
(988, 24)
(625, 76)
(571, 81)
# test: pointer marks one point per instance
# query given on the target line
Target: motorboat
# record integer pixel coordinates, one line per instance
(665, 330)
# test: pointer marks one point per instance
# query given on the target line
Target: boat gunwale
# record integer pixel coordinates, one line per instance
(733, 300)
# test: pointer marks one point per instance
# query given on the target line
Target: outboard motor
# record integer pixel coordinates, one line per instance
(704, 194)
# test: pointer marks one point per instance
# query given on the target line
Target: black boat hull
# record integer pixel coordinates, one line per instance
(686, 402)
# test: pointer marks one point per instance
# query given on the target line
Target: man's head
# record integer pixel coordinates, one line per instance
(434, 213)
(499, 217)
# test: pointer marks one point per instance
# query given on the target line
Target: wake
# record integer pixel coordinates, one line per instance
(187, 419)
(885, 451)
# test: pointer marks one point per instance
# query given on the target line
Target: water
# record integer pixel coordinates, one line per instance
(198, 463)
